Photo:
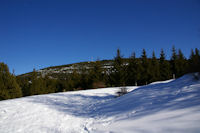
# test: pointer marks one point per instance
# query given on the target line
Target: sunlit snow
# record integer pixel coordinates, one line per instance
(162, 107)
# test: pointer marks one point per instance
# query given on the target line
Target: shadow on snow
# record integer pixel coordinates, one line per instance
(178, 94)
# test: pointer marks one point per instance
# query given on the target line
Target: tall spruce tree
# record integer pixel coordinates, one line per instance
(173, 62)
(164, 67)
(132, 73)
(145, 71)
(154, 68)
(194, 61)
(8, 84)
(197, 58)
(181, 64)
(118, 72)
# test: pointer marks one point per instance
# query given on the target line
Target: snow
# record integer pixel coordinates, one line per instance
(169, 107)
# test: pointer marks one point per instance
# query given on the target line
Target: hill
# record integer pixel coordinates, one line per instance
(57, 71)
(169, 106)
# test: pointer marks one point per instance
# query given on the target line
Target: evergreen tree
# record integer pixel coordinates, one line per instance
(173, 62)
(197, 59)
(145, 70)
(8, 84)
(132, 73)
(24, 84)
(96, 75)
(85, 81)
(37, 84)
(194, 61)
(164, 67)
(154, 68)
(49, 85)
(181, 64)
(118, 72)
(75, 79)
(96, 71)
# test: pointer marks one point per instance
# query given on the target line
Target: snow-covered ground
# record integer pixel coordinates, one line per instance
(162, 107)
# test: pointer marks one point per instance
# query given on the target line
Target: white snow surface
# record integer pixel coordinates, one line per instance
(162, 107)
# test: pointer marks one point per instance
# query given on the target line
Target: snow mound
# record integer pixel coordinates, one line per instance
(167, 107)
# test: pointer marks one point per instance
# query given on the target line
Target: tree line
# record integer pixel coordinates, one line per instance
(122, 72)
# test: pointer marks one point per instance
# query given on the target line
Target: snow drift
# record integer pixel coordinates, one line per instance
(167, 107)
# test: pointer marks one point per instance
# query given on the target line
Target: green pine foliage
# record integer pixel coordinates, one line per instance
(164, 67)
(97, 75)
(105, 73)
(9, 87)
(118, 71)
(132, 71)
(154, 68)
(194, 61)
(181, 64)
(174, 62)
(24, 84)
(145, 71)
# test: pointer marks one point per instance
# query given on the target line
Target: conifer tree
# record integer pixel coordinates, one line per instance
(49, 85)
(8, 84)
(96, 75)
(96, 71)
(37, 84)
(75, 79)
(164, 67)
(132, 73)
(197, 58)
(24, 84)
(86, 82)
(181, 64)
(154, 68)
(191, 61)
(173, 62)
(145, 71)
(118, 72)
(194, 61)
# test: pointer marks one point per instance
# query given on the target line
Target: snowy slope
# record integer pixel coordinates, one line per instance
(167, 107)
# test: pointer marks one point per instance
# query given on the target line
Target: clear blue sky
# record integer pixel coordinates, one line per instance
(42, 33)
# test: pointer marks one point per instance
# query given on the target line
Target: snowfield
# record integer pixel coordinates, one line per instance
(163, 107)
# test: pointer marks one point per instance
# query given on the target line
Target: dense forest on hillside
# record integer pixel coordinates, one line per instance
(121, 72)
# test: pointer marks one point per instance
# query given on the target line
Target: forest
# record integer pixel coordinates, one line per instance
(130, 71)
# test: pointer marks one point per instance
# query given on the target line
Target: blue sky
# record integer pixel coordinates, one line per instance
(42, 33)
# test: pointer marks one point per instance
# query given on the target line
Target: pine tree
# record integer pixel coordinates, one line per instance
(49, 85)
(197, 58)
(37, 84)
(181, 64)
(75, 79)
(8, 84)
(96, 71)
(24, 84)
(145, 71)
(194, 61)
(173, 62)
(154, 68)
(96, 75)
(164, 67)
(85, 81)
(118, 71)
(132, 73)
